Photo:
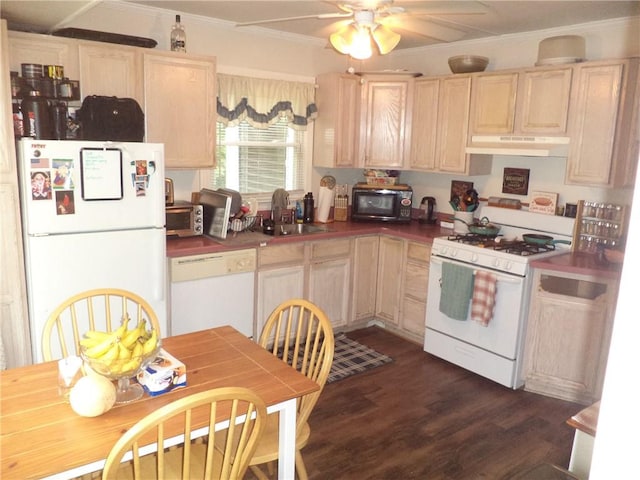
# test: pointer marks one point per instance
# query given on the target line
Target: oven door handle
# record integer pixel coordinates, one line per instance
(500, 277)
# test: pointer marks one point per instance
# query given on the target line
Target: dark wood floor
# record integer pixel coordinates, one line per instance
(423, 418)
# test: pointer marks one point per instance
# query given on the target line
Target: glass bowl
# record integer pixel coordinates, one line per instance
(122, 370)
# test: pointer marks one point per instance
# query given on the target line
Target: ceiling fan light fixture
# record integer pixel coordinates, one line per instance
(385, 39)
(361, 44)
(342, 39)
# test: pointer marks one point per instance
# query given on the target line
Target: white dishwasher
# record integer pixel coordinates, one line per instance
(211, 290)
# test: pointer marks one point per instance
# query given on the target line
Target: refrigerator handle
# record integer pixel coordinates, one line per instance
(159, 250)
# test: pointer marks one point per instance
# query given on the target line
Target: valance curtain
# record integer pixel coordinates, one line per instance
(262, 102)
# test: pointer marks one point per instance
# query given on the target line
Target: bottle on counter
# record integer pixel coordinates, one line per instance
(178, 37)
(309, 207)
(299, 212)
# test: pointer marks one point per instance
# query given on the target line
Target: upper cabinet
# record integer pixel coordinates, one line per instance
(176, 92)
(440, 127)
(110, 70)
(335, 139)
(385, 120)
(180, 107)
(604, 124)
(543, 101)
(494, 103)
(530, 101)
(44, 50)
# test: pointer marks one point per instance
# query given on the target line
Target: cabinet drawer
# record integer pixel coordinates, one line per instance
(281, 254)
(331, 249)
(419, 251)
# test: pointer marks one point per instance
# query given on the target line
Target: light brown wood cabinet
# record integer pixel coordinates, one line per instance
(568, 334)
(176, 92)
(365, 278)
(390, 267)
(280, 277)
(390, 284)
(180, 107)
(110, 70)
(604, 124)
(415, 285)
(528, 101)
(44, 50)
(319, 271)
(385, 121)
(330, 278)
(336, 130)
(14, 315)
(440, 127)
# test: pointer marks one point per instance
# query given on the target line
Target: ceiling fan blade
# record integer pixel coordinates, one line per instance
(301, 17)
(450, 8)
(385, 38)
(425, 28)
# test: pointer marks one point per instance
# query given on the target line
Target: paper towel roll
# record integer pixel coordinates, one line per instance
(325, 199)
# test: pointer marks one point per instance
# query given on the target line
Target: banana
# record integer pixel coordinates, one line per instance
(123, 352)
(137, 349)
(131, 336)
(120, 331)
(110, 356)
(101, 348)
(150, 344)
(131, 365)
(96, 335)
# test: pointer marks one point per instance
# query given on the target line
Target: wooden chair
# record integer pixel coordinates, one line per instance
(299, 333)
(245, 411)
(101, 309)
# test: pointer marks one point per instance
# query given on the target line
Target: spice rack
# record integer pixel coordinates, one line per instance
(599, 225)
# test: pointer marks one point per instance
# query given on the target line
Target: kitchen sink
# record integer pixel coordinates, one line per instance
(300, 229)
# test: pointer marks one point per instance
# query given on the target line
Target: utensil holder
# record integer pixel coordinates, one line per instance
(461, 221)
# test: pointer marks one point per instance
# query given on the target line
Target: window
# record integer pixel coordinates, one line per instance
(259, 160)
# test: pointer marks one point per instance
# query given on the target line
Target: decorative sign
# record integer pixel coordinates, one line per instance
(515, 181)
(543, 202)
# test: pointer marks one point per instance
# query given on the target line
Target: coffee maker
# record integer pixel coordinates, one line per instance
(428, 211)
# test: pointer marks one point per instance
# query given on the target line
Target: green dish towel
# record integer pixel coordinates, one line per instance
(456, 290)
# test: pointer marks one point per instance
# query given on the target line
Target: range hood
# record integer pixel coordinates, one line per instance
(518, 145)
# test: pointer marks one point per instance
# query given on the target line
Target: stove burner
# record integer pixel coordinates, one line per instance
(514, 247)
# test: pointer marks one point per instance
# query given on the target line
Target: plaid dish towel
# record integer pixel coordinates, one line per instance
(484, 297)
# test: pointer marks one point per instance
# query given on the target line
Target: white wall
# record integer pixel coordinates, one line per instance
(269, 55)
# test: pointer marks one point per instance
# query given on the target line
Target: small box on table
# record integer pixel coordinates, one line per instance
(163, 374)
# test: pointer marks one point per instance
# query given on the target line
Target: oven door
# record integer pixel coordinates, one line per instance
(501, 336)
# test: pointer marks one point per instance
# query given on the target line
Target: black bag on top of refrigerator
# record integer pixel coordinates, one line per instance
(111, 118)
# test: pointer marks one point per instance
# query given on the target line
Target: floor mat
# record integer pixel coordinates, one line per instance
(351, 357)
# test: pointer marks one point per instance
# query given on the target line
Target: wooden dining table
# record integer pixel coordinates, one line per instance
(42, 437)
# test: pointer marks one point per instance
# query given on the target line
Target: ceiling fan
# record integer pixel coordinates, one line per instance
(366, 22)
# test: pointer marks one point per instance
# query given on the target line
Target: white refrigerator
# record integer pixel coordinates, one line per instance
(93, 217)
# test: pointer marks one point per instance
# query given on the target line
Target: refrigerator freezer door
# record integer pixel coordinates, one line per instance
(73, 186)
(64, 265)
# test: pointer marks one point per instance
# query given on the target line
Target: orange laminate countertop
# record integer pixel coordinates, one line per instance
(586, 420)
(178, 247)
(579, 263)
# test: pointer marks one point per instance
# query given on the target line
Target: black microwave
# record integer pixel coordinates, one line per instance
(388, 203)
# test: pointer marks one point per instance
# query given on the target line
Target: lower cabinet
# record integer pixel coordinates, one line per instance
(280, 277)
(318, 271)
(413, 306)
(329, 281)
(365, 278)
(354, 280)
(390, 284)
(568, 335)
(390, 265)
